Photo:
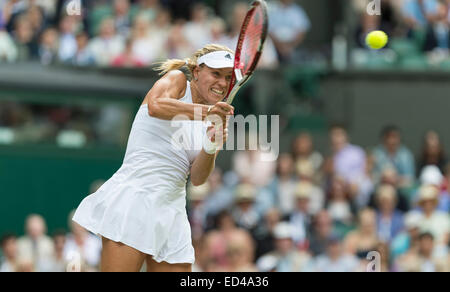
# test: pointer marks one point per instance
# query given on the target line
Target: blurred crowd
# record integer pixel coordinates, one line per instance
(419, 31)
(127, 33)
(64, 125)
(407, 18)
(351, 209)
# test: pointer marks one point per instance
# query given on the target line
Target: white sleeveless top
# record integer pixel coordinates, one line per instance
(143, 205)
(160, 152)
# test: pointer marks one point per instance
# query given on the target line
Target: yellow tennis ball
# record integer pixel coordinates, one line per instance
(377, 39)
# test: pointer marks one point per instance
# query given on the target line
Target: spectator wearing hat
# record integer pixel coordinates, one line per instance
(303, 150)
(306, 174)
(335, 259)
(244, 211)
(285, 257)
(389, 219)
(300, 218)
(390, 177)
(423, 258)
(401, 243)
(431, 175)
(434, 221)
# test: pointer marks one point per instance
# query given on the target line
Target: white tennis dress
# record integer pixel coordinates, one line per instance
(143, 205)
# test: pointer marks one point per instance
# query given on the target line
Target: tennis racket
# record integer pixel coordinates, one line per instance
(249, 47)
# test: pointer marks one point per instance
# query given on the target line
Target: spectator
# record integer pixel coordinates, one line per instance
(59, 263)
(305, 173)
(240, 253)
(393, 154)
(322, 229)
(389, 219)
(83, 56)
(197, 30)
(217, 31)
(423, 258)
(67, 40)
(83, 245)
(122, 17)
(23, 39)
(303, 149)
(335, 259)
(126, 58)
(265, 241)
(244, 212)
(8, 50)
(364, 239)
(35, 248)
(347, 161)
(146, 48)
(150, 8)
(419, 13)
(300, 218)
(287, 27)
(177, 44)
(161, 26)
(37, 21)
(197, 211)
(408, 239)
(339, 204)
(48, 48)
(432, 152)
(250, 167)
(389, 177)
(219, 197)
(285, 258)
(433, 220)
(269, 56)
(106, 45)
(431, 175)
(215, 242)
(9, 262)
(444, 200)
(283, 184)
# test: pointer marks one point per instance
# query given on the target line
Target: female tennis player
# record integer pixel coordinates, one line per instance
(140, 211)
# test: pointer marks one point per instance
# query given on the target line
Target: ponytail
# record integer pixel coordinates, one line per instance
(191, 63)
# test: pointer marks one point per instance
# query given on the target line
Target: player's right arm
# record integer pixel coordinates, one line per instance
(163, 99)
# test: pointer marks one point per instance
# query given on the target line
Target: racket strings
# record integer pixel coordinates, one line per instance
(252, 40)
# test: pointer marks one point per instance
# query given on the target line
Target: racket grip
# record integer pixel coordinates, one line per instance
(208, 146)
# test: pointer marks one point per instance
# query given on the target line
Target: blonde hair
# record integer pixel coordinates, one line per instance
(191, 63)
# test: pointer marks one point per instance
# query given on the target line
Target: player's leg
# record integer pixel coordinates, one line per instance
(153, 266)
(118, 257)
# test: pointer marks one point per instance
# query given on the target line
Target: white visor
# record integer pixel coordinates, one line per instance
(217, 60)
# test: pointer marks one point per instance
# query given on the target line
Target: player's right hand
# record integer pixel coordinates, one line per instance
(222, 109)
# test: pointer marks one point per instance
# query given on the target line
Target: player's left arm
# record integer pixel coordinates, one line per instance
(204, 163)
